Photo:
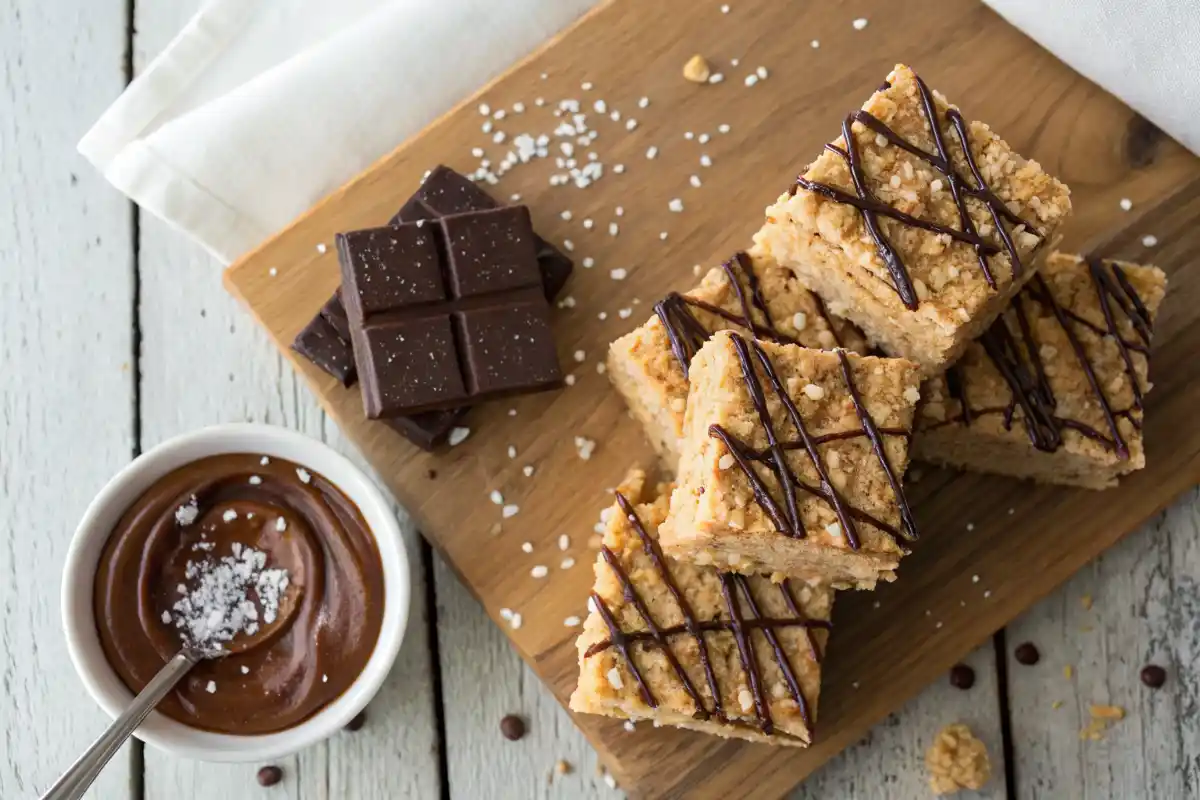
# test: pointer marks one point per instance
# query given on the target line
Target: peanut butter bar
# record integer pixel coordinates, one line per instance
(692, 647)
(792, 461)
(750, 293)
(920, 234)
(1054, 389)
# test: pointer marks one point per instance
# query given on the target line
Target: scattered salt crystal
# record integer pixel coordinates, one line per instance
(970, 526)
(676, 205)
(166, 617)
(186, 514)
(716, 77)
(496, 497)
(623, 313)
(631, 124)
(609, 780)
(509, 510)
(245, 670)
(500, 114)
(703, 138)
(486, 127)
(280, 524)
(324, 679)
(255, 480)
(566, 215)
(272, 272)
(539, 571)
(484, 109)
(600, 367)
(518, 108)
(477, 152)
(689, 136)
(815, 44)
(506, 614)
(211, 688)
(458, 436)
(264, 460)
(651, 152)
(662, 236)
(569, 380)
(644, 102)
(761, 72)
(564, 542)
(527, 547)
(585, 447)
(1149, 241)
(725, 9)
(528, 470)
(512, 451)
(613, 229)
(589, 262)
(619, 169)
(751, 79)
(615, 116)
(695, 181)
(304, 475)
(723, 128)
(629, 726)
(498, 137)
(571, 622)
(321, 248)
(619, 211)
(588, 224)
(512, 412)
(1126, 204)
(229, 516)
(705, 161)
(586, 86)
(860, 23)
(987, 594)
(974, 579)
(618, 274)
(580, 356)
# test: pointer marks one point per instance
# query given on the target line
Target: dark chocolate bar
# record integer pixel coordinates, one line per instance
(447, 192)
(447, 311)
(326, 342)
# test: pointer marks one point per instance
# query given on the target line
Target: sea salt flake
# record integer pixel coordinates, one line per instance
(255, 480)
(281, 524)
(304, 475)
(245, 670)
(540, 571)
(527, 470)
(1149, 241)
(512, 451)
(321, 248)
(230, 515)
(723, 128)
(860, 23)
(458, 436)
(618, 274)
(652, 152)
(1126, 204)
(695, 181)
(510, 510)
(527, 547)
(496, 497)
(211, 687)
(264, 460)
(676, 205)
(186, 514)
(571, 622)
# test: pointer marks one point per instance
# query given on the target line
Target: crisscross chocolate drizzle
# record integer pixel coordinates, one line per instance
(1018, 358)
(737, 624)
(687, 334)
(941, 160)
(787, 520)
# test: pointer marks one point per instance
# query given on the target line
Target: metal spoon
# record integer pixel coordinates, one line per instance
(76, 780)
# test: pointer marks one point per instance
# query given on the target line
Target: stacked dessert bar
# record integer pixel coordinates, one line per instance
(915, 235)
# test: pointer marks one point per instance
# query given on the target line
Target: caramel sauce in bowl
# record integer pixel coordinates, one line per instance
(317, 562)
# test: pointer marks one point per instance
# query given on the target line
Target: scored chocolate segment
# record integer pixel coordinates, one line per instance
(321, 343)
(447, 310)
(447, 192)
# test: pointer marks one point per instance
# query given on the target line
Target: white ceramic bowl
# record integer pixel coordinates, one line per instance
(104, 512)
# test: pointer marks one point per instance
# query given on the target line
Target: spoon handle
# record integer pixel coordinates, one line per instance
(76, 780)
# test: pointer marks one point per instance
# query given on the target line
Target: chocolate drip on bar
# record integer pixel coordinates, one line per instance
(740, 627)
(687, 335)
(788, 520)
(1018, 359)
(960, 189)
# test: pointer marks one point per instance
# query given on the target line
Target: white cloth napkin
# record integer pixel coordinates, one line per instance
(259, 108)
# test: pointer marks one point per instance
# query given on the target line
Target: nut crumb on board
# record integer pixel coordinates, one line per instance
(957, 760)
(697, 69)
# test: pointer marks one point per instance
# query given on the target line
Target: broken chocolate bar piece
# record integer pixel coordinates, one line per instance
(326, 341)
(447, 192)
(447, 311)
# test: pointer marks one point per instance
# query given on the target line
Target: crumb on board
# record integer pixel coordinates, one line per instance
(957, 760)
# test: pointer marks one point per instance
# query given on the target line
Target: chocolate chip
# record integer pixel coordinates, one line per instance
(359, 720)
(513, 727)
(269, 776)
(1027, 654)
(1154, 676)
(962, 676)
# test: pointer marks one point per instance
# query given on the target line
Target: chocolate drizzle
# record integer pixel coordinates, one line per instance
(1018, 359)
(788, 520)
(941, 160)
(732, 585)
(687, 334)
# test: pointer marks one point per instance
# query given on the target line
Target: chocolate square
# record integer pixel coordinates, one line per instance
(427, 430)
(510, 347)
(335, 314)
(446, 311)
(408, 363)
(447, 192)
(491, 251)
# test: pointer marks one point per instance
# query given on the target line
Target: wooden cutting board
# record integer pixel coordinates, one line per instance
(1025, 540)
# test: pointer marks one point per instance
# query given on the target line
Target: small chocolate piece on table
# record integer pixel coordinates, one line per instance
(1154, 676)
(447, 311)
(1027, 654)
(513, 727)
(269, 776)
(357, 722)
(962, 676)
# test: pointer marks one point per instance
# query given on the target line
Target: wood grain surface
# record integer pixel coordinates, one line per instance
(629, 50)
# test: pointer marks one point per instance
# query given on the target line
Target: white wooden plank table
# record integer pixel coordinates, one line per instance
(115, 334)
